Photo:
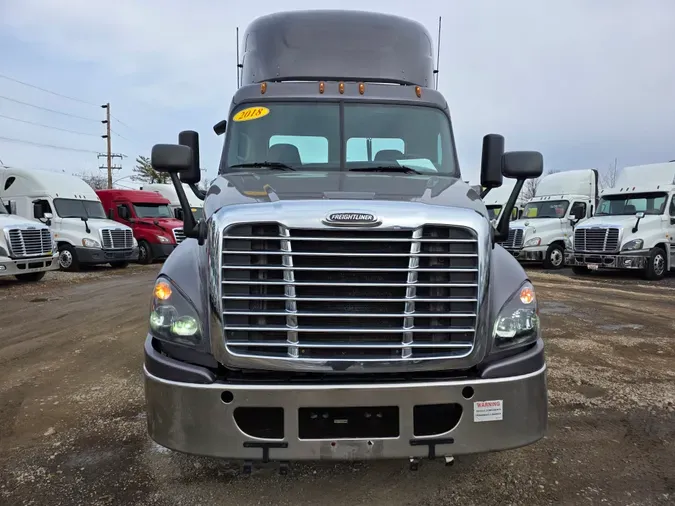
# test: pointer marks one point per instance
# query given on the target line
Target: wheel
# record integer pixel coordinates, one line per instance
(656, 265)
(144, 252)
(581, 270)
(31, 276)
(68, 259)
(555, 257)
(119, 265)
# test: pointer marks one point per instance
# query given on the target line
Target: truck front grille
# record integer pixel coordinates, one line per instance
(178, 235)
(117, 238)
(349, 294)
(596, 240)
(31, 242)
(514, 240)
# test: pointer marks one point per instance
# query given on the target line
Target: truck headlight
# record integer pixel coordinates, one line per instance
(518, 320)
(534, 241)
(633, 245)
(90, 243)
(173, 317)
(163, 240)
(134, 242)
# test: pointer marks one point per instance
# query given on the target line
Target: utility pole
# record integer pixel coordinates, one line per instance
(109, 154)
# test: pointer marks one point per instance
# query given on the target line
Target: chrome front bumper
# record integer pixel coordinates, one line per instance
(528, 254)
(637, 260)
(194, 418)
(15, 267)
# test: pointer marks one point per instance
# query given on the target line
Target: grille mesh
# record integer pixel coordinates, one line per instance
(514, 240)
(117, 238)
(30, 242)
(596, 240)
(338, 294)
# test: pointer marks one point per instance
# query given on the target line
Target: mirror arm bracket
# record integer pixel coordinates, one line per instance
(192, 229)
(502, 229)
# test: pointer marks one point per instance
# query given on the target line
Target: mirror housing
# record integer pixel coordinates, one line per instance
(639, 215)
(219, 128)
(37, 210)
(171, 158)
(577, 214)
(47, 216)
(522, 164)
(193, 175)
(491, 163)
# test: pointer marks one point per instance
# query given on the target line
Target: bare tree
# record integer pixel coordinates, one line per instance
(608, 176)
(96, 180)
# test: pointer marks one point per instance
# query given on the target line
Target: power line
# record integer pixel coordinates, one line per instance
(47, 126)
(48, 110)
(52, 146)
(47, 91)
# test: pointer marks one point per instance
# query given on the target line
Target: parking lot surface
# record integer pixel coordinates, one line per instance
(72, 423)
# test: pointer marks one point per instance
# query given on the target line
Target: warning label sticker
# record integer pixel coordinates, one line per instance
(488, 411)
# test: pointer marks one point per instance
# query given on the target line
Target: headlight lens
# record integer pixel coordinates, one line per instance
(518, 320)
(173, 318)
(163, 239)
(534, 241)
(90, 243)
(134, 242)
(633, 245)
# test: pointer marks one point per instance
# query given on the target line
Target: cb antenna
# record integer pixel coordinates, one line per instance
(238, 64)
(438, 51)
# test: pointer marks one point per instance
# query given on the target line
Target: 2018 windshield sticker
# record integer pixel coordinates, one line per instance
(251, 113)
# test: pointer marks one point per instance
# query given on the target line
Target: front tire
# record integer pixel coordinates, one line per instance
(68, 259)
(555, 257)
(144, 253)
(31, 277)
(656, 265)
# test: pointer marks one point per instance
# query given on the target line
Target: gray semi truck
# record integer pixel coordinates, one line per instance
(344, 295)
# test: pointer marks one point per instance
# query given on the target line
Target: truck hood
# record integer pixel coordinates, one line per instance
(250, 188)
(617, 221)
(537, 224)
(8, 220)
(97, 224)
(167, 224)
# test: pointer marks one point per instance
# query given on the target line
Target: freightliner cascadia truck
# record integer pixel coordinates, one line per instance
(344, 295)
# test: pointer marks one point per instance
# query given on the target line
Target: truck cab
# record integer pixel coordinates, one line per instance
(27, 247)
(544, 231)
(73, 211)
(150, 217)
(168, 192)
(634, 227)
(344, 296)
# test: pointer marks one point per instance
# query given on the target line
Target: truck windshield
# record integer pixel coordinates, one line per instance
(153, 211)
(312, 136)
(629, 204)
(73, 208)
(546, 209)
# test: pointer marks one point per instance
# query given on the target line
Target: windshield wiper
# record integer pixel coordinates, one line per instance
(387, 168)
(262, 165)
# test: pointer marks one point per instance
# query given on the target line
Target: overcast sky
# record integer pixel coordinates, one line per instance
(583, 81)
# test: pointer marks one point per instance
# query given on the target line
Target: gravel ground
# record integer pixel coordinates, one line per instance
(72, 426)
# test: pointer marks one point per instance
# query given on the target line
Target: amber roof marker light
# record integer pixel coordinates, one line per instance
(362, 88)
(263, 88)
(418, 91)
(322, 87)
(341, 87)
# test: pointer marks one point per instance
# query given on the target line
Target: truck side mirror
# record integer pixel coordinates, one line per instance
(171, 158)
(491, 163)
(522, 164)
(37, 210)
(193, 174)
(219, 128)
(518, 165)
(577, 213)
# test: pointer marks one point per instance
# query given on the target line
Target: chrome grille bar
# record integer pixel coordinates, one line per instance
(318, 293)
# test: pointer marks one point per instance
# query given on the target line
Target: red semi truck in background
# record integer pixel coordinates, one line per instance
(149, 216)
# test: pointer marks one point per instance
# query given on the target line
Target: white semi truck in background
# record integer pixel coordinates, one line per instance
(544, 230)
(167, 191)
(70, 207)
(27, 247)
(634, 226)
(497, 199)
